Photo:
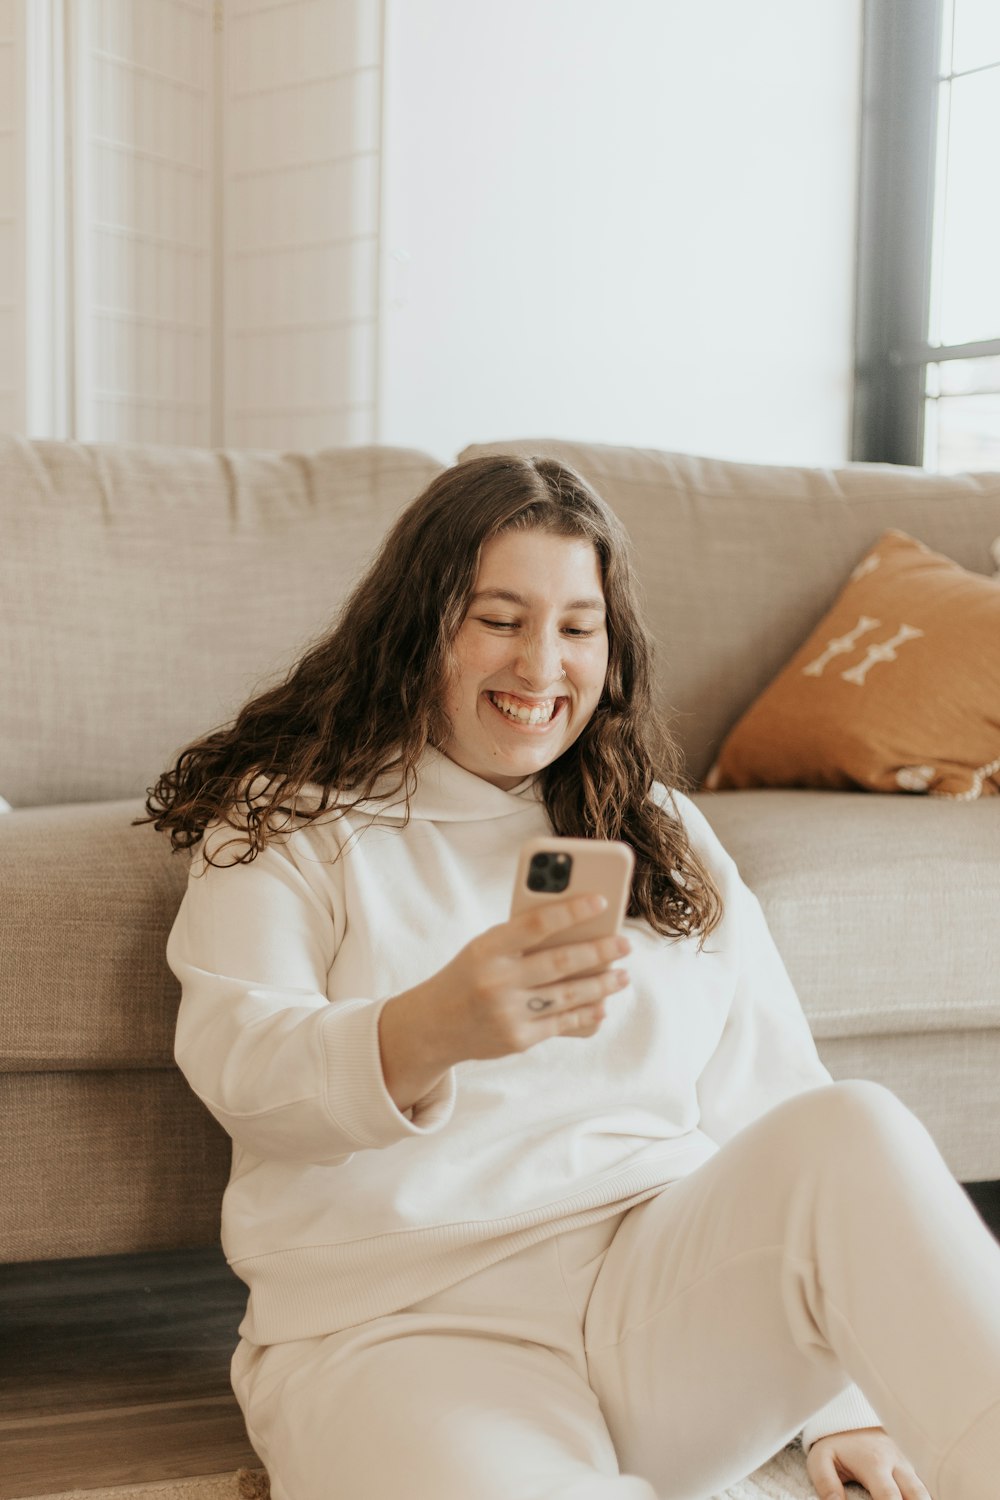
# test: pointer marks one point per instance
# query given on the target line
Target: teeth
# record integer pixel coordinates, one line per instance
(524, 713)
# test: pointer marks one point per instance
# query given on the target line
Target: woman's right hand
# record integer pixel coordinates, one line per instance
(496, 996)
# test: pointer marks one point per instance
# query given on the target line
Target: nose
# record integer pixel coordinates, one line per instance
(539, 664)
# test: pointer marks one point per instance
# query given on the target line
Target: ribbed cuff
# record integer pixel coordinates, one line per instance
(849, 1410)
(356, 1095)
(435, 1108)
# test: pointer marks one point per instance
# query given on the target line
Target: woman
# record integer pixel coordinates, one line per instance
(510, 1232)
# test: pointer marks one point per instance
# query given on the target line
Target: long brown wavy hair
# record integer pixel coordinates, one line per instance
(364, 702)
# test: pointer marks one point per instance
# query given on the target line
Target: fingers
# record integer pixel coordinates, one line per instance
(911, 1486)
(544, 921)
(883, 1487)
(553, 1005)
(885, 1475)
(583, 1021)
(503, 998)
(823, 1473)
(554, 964)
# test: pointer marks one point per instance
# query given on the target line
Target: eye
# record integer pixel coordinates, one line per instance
(585, 630)
(498, 624)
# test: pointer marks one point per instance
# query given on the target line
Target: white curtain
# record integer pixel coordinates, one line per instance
(193, 235)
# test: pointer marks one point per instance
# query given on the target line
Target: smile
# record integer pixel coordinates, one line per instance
(539, 712)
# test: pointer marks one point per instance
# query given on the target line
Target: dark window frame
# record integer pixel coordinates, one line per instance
(901, 53)
(901, 71)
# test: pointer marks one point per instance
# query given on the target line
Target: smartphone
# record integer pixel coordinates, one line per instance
(554, 868)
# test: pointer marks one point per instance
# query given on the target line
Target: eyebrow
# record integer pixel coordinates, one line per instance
(509, 597)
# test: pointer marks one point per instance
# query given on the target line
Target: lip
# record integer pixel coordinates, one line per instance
(558, 713)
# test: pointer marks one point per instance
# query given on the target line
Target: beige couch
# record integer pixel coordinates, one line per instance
(144, 592)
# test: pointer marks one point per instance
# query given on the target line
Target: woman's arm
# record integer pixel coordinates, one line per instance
(290, 1074)
(414, 1058)
(496, 997)
(286, 1072)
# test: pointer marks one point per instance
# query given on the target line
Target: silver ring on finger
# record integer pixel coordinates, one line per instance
(540, 1002)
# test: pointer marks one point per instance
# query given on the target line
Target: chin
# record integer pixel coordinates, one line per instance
(530, 765)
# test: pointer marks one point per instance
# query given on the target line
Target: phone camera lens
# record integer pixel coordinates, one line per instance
(549, 872)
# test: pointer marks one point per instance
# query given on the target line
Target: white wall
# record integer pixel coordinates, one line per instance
(628, 222)
(13, 213)
(430, 222)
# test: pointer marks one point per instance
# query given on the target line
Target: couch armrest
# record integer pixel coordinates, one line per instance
(86, 904)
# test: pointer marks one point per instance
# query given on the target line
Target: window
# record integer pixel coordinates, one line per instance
(928, 325)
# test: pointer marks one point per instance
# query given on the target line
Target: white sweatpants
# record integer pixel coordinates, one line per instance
(667, 1352)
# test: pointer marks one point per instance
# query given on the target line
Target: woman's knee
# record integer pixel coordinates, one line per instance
(860, 1118)
(863, 1100)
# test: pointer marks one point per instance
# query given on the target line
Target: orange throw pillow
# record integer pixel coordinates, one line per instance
(897, 688)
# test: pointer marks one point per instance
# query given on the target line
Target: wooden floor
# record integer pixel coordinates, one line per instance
(116, 1371)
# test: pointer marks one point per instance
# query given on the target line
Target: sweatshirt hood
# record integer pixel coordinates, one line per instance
(447, 793)
(444, 793)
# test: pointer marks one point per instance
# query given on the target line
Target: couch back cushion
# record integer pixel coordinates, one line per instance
(738, 562)
(146, 592)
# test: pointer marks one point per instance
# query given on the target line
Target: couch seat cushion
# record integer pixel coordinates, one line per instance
(886, 908)
(88, 904)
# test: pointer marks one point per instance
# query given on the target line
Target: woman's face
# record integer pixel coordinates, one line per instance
(530, 657)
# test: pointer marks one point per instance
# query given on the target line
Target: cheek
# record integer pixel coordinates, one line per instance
(467, 672)
(457, 696)
(599, 672)
(588, 680)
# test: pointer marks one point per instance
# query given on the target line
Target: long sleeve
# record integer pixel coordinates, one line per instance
(845, 1413)
(290, 1075)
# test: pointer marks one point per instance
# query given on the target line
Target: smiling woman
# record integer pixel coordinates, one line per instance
(530, 657)
(507, 575)
(525, 1215)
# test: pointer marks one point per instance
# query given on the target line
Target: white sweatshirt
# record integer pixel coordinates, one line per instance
(340, 1208)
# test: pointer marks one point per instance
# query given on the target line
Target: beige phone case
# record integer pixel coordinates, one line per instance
(598, 866)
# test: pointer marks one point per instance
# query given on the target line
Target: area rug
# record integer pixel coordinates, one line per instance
(199, 1487)
(783, 1478)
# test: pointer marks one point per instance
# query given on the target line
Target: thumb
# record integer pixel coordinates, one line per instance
(823, 1473)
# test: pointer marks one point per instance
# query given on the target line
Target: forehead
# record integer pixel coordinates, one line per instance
(558, 565)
